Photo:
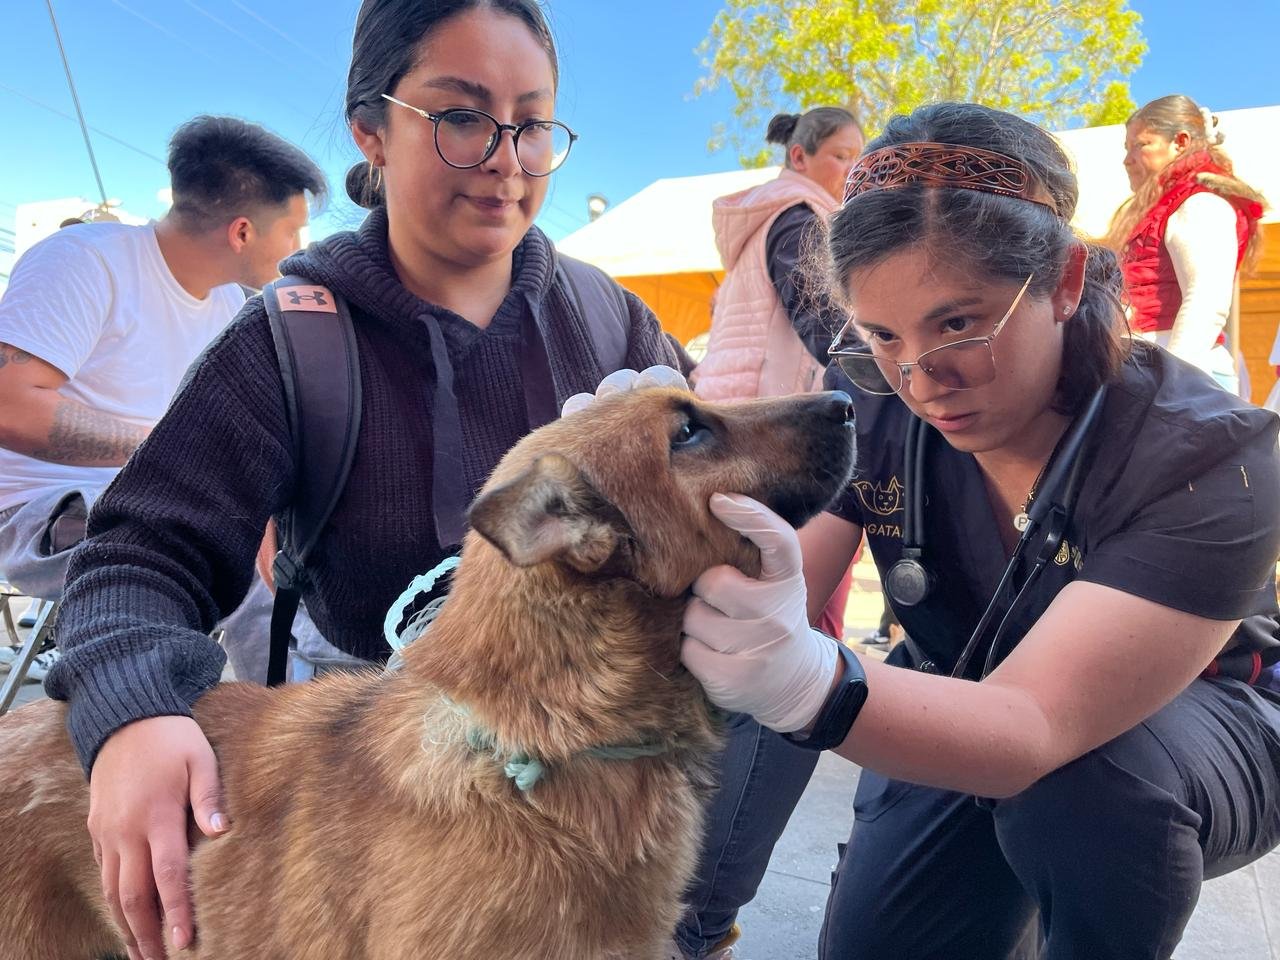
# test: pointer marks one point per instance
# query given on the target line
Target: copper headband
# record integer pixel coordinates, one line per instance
(945, 165)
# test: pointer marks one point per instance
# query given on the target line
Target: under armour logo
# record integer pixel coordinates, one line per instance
(311, 299)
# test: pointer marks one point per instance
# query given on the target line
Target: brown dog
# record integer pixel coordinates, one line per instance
(371, 816)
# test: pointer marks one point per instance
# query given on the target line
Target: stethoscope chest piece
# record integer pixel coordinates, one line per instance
(908, 582)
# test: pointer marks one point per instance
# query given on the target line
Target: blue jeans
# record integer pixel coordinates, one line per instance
(761, 779)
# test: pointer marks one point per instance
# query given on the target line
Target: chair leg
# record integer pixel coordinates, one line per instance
(34, 644)
(6, 610)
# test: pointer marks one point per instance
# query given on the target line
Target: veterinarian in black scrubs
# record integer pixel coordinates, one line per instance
(1079, 534)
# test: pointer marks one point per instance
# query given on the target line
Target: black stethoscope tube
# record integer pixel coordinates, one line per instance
(1064, 474)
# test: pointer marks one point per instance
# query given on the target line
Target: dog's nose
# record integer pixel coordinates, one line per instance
(837, 405)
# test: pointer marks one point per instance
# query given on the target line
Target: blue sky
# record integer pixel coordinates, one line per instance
(628, 68)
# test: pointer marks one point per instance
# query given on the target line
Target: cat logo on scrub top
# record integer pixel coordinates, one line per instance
(884, 500)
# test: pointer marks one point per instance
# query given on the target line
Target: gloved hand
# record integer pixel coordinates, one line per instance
(749, 641)
(623, 380)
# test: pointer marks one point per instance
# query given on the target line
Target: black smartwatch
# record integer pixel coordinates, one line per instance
(836, 717)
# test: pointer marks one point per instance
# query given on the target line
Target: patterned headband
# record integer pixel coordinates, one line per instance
(945, 165)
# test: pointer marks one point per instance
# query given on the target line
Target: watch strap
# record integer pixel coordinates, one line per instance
(835, 719)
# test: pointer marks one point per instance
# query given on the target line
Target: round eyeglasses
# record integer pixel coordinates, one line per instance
(962, 365)
(466, 137)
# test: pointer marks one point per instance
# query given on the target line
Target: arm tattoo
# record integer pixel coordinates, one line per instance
(10, 354)
(81, 436)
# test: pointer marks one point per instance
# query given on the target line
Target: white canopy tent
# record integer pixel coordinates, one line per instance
(659, 242)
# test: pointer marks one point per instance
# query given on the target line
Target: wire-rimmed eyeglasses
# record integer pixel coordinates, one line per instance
(962, 365)
(466, 137)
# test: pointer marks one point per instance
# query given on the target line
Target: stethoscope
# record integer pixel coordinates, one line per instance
(909, 581)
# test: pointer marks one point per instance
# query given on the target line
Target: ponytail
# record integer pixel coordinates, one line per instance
(364, 185)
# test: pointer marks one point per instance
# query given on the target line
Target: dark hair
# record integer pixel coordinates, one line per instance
(388, 43)
(223, 167)
(1000, 237)
(808, 129)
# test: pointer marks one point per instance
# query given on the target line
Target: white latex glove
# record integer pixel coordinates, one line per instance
(749, 641)
(622, 380)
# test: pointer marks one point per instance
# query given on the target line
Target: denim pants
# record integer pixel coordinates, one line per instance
(761, 779)
(32, 556)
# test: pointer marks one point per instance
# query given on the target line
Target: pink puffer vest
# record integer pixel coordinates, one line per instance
(753, 349)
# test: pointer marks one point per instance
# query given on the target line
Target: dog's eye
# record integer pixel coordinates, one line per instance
(689, 434)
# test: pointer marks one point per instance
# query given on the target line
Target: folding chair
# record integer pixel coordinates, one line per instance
(38, 640)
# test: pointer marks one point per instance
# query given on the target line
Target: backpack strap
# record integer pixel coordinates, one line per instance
(603, 308)
(320, 371)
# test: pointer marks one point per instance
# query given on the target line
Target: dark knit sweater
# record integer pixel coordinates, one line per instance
(171, 542)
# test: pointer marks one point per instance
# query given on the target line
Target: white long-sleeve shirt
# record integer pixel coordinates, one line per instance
(1201, 239)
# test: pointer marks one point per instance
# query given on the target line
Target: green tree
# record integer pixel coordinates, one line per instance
(1058, 63)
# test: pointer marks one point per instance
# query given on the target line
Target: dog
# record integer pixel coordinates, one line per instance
(374, 815)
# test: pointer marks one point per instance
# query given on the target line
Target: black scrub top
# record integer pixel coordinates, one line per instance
(1180, 505)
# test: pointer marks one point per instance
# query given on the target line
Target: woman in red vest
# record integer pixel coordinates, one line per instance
(1189, 228)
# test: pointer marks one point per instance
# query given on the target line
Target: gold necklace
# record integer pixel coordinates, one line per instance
(1021, 519)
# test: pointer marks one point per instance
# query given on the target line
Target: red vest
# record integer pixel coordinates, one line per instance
(1149, 277)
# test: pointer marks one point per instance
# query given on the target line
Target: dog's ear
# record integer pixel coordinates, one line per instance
(550, 512)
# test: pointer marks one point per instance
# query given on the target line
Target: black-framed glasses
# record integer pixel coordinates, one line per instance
(466, 137)
(962, 365)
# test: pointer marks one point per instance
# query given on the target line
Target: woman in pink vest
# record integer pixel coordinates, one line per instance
(768, 332)
(1190, 226)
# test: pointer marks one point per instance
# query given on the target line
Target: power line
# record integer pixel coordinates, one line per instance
(555, 219)
(66, 116)
(167, 32)
(236, 33)
(280, 33)
(84, 130)
(218, 63)
(576, 222)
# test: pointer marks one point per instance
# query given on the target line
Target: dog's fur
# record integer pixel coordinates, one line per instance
(363, 823)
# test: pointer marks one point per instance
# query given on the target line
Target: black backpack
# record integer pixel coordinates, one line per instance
(320, 369)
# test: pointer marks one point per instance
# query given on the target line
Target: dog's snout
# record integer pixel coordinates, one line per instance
(838, 406)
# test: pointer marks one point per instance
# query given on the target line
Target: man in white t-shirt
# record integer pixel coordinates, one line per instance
(101, 320)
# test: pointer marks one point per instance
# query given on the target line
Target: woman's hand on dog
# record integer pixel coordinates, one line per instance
(145, 778)
(622, 380)
(749, 641)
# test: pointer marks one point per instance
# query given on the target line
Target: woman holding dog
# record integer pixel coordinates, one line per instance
(1080, 730)
(468, 337)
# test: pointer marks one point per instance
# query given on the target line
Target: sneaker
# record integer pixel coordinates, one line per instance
(7, 656)
(41, 666)
(721, 951)
(877, 641)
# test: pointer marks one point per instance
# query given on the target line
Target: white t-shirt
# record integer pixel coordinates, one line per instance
(98, 302)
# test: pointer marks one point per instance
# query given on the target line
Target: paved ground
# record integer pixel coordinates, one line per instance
(1238, 916)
